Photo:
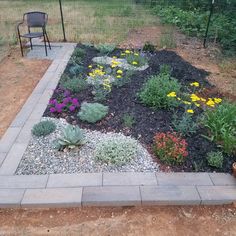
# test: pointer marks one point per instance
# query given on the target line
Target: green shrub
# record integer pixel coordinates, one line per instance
(184, 125)
(43, 128)
(105, 48)
(149, 47)
(221, 123)
(71, 137)
(128, 120)
(215, 159)
(76, 69)
(75, 84)
(118, 151)
(136, 59)
(155, 90)
(79, 52)
(92, 112)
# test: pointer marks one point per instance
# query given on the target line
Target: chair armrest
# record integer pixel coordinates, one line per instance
(18, 26)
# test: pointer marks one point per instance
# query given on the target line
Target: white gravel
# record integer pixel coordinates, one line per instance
(41, 158)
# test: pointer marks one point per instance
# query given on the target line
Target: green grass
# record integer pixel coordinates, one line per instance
(94, 21)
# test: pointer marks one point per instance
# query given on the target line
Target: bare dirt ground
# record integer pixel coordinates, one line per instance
(150, 221)
(18, 77)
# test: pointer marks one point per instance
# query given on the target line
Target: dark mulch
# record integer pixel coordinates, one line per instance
(149, 121)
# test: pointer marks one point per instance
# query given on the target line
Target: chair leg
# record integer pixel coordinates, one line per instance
(48, 40)
(45, 45)
(21, 47)
(31, 46)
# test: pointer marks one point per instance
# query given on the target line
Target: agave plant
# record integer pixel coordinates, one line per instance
(71, 137)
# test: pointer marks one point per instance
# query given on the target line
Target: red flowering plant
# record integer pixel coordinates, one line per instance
(170, 147)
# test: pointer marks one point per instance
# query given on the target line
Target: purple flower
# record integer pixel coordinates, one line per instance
(59, 106)
(72, 108)
(75, 102)
(52, 109)
(66, 100)
(66, 93)
(52, 101)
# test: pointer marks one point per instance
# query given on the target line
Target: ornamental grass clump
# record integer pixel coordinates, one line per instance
(92, 112)
(155, 90)
(105, 48)
(43, 128)
(221, 124)
(117, 151)
(170, 148)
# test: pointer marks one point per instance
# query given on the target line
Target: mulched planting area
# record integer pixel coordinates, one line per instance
(148, 121)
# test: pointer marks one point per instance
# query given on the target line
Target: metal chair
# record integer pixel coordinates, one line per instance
(34, 19)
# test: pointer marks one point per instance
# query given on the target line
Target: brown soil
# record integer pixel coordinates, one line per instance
(120, 221)
(18, 76)
(222, 71)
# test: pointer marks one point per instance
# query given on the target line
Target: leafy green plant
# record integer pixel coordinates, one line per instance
(76, 69)
(128, 120)
(221, 123)
(154, 91)
(149, 47)
(136, 59)
(105, 48)
(75, 84)
(185, 124)
(118, 151)
(215, 159)
(92, 112)
(43, 128)
(72, 136)
(79, 52)
(170, 148)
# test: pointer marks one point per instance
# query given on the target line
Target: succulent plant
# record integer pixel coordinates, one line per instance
(71, 137)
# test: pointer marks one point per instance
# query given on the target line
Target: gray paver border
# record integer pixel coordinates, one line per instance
(94, 189)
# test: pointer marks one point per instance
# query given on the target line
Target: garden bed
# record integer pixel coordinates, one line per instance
(127, 113)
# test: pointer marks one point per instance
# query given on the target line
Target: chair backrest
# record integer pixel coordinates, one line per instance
(36, 19)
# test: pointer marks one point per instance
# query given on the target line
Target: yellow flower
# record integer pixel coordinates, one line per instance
(101, 67)
(114, 57)
(203, 99)
(118, 76)
(217, 100)
(119, 72)
(122, 54)
(171, 94)
(179, 99)
(90, 66)
(127, 51)
(90, 74)
(113, 66)
(196, 84)
(194, 97)
(187, 103)
(135, 63)
(210, 103)
(190, 111)
(136, 54)
(197, 104)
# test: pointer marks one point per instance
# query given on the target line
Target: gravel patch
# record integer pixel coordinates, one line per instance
(41, 158)
(105, 60)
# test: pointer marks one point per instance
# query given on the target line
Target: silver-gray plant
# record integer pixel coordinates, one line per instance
(118, 151)
(72, 136)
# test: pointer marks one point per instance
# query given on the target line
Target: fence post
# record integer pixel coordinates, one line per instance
(62, 22)
(208, 23)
